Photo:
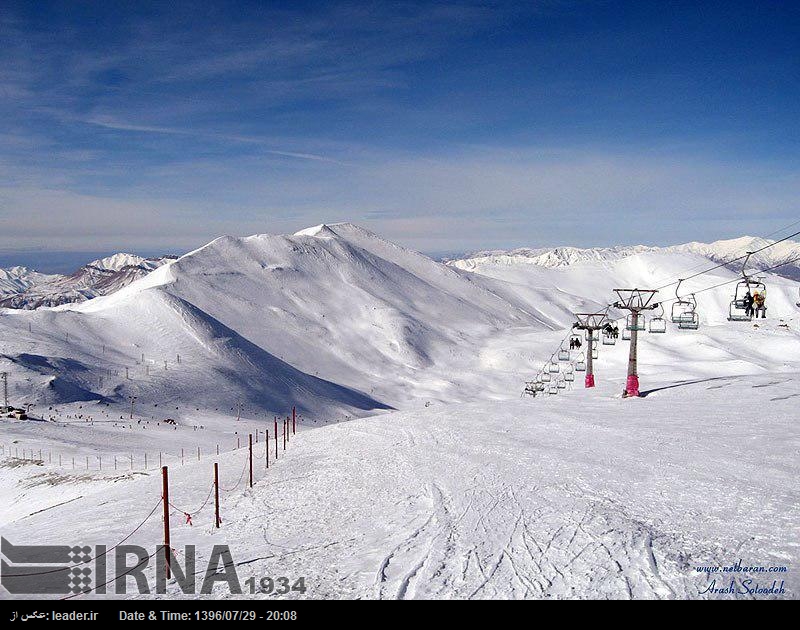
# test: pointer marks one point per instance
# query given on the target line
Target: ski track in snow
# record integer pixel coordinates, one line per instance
(516, 511)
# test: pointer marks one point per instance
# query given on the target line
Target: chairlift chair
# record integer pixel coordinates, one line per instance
(545, 376)
(690, 324)
(658, 324)
(609, 339)
(552, 389)
(639, 324)
(530, 389)
(561, 384)
(626, 334)
(595, 352)
(563, 355)
(554, 367)
(538, 386)
(682, 310)
(738, 308)
(580, 364)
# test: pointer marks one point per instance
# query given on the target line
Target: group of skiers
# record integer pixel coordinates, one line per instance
(611, 331)
(755, 303)
(575, 343)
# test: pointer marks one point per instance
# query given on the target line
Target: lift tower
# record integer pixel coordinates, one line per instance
(4, 376)
(635, 301)
(590, 322)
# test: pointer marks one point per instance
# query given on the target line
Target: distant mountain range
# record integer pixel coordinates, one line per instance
(716, 252)
(24, 288)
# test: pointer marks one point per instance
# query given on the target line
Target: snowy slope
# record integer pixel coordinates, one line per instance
(592, 498)
(19, 279)
(347, 307)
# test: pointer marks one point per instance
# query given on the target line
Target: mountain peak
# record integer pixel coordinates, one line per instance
(117, 261)
(321, 230)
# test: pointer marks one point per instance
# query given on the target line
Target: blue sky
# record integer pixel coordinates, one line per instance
(446, 127)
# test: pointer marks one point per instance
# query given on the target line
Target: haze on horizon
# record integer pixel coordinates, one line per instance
(155, 128)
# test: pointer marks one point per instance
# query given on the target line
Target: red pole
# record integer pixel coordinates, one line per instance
(165, 497)
(632, 383)
(216, 493)
(251, 460)
(294, 420)
(589, 378)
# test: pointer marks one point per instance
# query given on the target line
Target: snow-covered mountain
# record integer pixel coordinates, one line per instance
(463, 489)
(26, 289)
(717, 252)
(15, 280)
(337, 318)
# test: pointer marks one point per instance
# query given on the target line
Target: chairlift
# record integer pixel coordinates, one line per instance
(530, 389)
(552, 389)
(638, 324)
(742, 308)
(690, 324)
(681, 309)
(554, 367)
(608, 338)
(626, 334)
(563, 355)
(561, 384)
(580, 364)
(658, 324)
(545, 376)
(538, 386)
(595, 352)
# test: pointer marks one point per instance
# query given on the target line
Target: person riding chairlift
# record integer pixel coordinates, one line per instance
(759, 300)
(748, 303)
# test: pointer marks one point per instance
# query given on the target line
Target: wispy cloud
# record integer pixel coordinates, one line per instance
(109, 123)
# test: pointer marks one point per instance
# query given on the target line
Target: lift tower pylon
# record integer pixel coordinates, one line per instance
(635, 301)
(590, 322)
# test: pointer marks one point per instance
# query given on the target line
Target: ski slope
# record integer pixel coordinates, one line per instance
(603, 498)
